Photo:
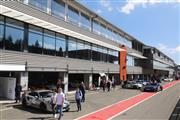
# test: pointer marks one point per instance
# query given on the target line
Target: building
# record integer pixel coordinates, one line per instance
(158, 63)
(43, 40)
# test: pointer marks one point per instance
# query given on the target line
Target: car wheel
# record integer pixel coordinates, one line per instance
(161, 88)
(43, 107)
(142, 89)
(24, 103)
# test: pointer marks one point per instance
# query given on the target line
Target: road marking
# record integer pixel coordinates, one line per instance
(116, 109)
(6, 109)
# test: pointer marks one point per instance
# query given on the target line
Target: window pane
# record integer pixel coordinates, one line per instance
(49, 43)
(85, 22)
(60, 45)
(1, 31)
(58, 8)
(96, 27)
(73, 15)
(72, 48)
(95, 53)
(113, 56)
(35, 41)
(13, 38)
(80, 49)
(87, 51)
(41, 4)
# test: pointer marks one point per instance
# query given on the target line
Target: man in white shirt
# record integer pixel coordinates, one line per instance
(59, 102)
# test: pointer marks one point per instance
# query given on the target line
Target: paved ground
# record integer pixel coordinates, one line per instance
(157, 107)
(176, 113)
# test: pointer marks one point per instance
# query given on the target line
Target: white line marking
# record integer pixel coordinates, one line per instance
(107, 106)
(120, 102)
(6, 109)
(139, 103)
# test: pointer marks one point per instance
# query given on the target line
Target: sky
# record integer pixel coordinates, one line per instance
(154, 22)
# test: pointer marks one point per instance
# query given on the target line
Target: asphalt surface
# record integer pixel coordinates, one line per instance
(158, 107)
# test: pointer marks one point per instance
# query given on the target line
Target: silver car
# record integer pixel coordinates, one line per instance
(41, 99)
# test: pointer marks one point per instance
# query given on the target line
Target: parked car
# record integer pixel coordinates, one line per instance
(152, 87)
(41, 99)
(168, 79)
(144, 82)
(132, 85)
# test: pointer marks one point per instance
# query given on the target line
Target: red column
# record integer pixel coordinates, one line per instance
(122, 59)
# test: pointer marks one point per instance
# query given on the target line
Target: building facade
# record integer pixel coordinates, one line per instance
(43, 40)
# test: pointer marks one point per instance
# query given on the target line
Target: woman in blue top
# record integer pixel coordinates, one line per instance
(78, 97)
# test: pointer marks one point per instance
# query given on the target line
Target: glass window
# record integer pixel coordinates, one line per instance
(73, 15)
(41, 4)
(95, 53)
(49, 43)
(103, 30)
(35, 40)
(85, 22)
(1, 31)
(60, 45)
(96, 27)
(80, 49)
(58, 8)
(72, 48)
(87, 51)
(14, 35)
(113, 56)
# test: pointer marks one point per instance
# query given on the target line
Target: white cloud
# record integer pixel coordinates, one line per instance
(167, 49)
(98, 11)
(175, 52)
(131, 4)
(106, 4)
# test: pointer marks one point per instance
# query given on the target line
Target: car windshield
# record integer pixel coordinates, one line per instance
(153, 83)
(46, 94)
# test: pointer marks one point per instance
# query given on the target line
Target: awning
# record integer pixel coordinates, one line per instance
(42, 23)
(9, 67)
(137, 55)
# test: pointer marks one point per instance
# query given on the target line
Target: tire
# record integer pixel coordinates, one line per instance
(161, 88)
(24, 102)
(43, 107)
(142, 89)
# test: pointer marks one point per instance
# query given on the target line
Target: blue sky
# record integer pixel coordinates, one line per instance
(154, 22)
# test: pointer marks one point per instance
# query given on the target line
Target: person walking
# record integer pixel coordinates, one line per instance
(60, 83)
(78, 97)
(18, 90)
(53, 103)
(59, 102)
(83, 91)
(108, 85)
(104, 85)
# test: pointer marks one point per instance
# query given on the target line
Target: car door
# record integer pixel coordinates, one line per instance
(33, 99)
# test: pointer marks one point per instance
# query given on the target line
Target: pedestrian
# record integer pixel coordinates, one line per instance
(18, 90)
(78, 97)
(59, 102)
(82, 88)
(53, 103)
(108, 85)
(113, 84)
(104, 85)
(60, 83)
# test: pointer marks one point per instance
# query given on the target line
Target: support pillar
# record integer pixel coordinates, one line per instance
(23, 79)
(88, 80)
(66, 83)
